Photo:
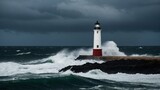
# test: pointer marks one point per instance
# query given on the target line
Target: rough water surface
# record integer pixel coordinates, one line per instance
(37, 68)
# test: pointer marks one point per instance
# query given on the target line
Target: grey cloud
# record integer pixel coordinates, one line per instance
(126, 4)
(28, 11)
(79, 15)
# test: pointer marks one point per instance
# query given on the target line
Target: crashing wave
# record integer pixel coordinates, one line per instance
(65, 58)
(24, 53)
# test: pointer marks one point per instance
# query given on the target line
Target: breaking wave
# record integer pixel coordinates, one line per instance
(25, 53)
(72, 82)
(98, 74)
(56, 62)
(64, 58)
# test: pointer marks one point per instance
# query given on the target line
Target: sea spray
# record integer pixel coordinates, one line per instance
(110, 49)
(42, 74)
(56, 62)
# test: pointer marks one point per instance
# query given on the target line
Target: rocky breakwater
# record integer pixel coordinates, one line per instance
(115, 64)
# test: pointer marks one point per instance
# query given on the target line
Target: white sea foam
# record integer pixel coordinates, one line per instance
(140, 55)
(11, 68)
(110, 49)
(18, 50)
(98, 74)
(60, 60)
(65, 58)
(140, 47)
(25, 53)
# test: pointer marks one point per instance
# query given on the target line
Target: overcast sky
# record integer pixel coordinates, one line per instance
(71, 22)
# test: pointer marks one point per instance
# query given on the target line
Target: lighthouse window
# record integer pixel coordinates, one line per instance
(97, 46)
(97, 31)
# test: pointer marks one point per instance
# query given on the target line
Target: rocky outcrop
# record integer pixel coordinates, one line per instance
(124, 65)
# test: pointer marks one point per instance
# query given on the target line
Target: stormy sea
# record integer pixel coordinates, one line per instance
(37, 68)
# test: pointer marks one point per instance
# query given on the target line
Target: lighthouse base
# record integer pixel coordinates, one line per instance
(97, 52)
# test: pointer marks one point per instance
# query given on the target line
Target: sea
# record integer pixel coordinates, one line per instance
(37, 68)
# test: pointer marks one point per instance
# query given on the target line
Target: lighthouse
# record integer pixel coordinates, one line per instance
(97, 49)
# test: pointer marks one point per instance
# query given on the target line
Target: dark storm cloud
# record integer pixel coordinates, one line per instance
(79, 15)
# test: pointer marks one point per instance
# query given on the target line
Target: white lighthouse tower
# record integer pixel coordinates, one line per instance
(97, 49)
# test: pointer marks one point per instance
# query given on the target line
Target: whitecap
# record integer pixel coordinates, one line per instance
(25, 53)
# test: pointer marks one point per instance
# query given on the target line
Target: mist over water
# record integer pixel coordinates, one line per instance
(49, 67)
